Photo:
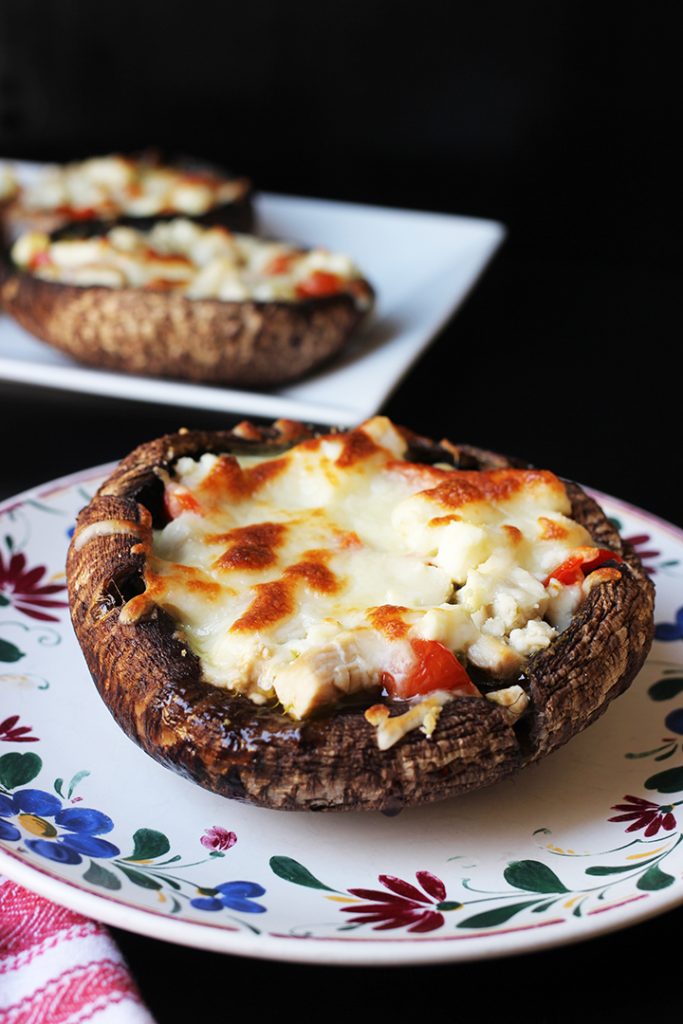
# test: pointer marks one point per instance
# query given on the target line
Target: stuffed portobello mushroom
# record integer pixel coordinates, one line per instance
(183, 300)
(117, 189)
(353, 620)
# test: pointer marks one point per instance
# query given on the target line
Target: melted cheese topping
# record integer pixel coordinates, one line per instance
(198, 262)
(306, 576)
(108, 186)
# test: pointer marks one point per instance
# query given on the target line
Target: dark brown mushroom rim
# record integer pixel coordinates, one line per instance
(153, 684)
(248, 343)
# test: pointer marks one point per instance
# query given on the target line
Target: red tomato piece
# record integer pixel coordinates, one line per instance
(280, 264)
(435, 668)
(77, 213)
(178, 499)
(41, 259)
(318, 284)
(166, 257)
(580, 564)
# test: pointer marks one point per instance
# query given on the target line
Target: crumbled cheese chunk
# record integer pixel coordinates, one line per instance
(196, 261)
(423, 715)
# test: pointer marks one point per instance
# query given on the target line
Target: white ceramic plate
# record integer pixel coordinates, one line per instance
(588, 841)
(421, 264)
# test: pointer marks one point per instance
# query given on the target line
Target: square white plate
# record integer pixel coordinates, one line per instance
(422, 266)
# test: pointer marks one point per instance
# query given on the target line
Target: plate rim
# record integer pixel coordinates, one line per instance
(320, 950)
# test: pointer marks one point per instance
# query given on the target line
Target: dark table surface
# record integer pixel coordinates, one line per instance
(566, 364)
(555, 118)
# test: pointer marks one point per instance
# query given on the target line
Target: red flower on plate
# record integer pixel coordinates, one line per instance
(403, 905)
(645, 814)
(217, 838)
(642, 544)
(22, 587)
(10, 732)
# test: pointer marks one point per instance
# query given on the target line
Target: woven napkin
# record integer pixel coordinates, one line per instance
(57, 967)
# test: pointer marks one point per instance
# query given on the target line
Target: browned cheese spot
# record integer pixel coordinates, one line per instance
(388, 620)
(513, 533)
(263, 473)
(464, 486)
(228, 481)
(356, 446)
(348, 539)
(314, 572)
(192, 579)
(377, 714)
(551, 530)
(276, 600)
(605, 574)
(207, 588)
(248, 431)
(289, 430)
(444, 520)
(419, 475)
(136, 608)
(249, 547)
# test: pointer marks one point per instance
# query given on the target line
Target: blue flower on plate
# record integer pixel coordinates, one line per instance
(234, 896)
(671, 630)
(7, 829)
(73, 832)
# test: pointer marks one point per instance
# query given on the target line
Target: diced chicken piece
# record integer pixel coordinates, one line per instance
(351, 662)
(491, 654)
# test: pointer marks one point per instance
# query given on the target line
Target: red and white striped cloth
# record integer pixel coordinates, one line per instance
(57, 967)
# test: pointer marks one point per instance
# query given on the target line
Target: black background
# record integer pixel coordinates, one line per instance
(556, 118)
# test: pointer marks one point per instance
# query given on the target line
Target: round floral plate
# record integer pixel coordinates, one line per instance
(588, 841)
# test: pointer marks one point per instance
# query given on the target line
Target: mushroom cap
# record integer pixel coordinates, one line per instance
(153, 686)
(246, 343)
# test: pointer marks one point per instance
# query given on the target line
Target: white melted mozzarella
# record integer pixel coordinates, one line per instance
(276, 580)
